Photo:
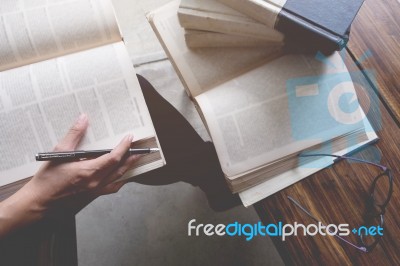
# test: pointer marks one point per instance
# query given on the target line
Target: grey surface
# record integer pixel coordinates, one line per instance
(147, 225)
(143, 225)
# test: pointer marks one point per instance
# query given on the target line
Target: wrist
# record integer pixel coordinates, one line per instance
(19, 210)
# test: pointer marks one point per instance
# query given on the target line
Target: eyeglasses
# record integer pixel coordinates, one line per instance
(380, 193)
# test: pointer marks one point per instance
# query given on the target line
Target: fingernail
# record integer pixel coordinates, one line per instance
(82, 118)
(129, 137)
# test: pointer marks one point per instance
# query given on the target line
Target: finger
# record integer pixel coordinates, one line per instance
(106, 163)
(121, 170)
(74, 135)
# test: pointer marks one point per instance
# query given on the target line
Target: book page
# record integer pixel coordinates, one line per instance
(252, 123)
(39, 103)
(32, 31)
(202, 69)
(279, 182)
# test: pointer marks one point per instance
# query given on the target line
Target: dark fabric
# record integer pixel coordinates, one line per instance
(189, 158)
(44, 243)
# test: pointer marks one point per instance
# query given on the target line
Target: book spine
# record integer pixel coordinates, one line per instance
(303, 33)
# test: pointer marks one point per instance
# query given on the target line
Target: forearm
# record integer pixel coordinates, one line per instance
(19, 210)
(69, 185)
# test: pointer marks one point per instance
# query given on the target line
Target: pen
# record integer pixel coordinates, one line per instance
(81, 154)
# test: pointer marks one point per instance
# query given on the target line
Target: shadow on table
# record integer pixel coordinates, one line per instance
(189, 158)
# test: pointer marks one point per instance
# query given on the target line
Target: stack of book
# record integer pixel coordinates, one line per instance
(262, 107)
(209, 23)
(301, 25)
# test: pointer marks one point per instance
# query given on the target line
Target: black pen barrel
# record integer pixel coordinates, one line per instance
(80, 154)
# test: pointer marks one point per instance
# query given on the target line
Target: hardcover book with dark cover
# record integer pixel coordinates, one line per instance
(322, 24)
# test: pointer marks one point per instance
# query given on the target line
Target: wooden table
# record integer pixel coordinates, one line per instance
(341, 199)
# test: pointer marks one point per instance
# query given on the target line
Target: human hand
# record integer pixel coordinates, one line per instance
(57, 185)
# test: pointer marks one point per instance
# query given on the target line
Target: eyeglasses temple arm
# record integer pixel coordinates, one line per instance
(338, 157)
(315, 219)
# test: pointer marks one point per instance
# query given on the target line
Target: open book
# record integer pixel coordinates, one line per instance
(258, 125)
(58, 60)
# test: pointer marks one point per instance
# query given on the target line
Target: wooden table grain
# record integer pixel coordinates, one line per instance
(341, 198)
(376, 29)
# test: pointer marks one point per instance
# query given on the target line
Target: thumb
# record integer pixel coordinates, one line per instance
(74, 135)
